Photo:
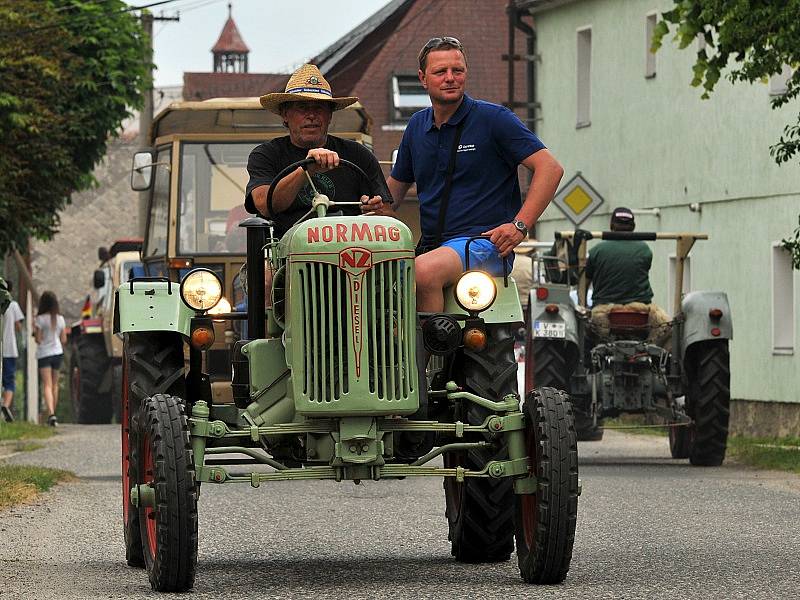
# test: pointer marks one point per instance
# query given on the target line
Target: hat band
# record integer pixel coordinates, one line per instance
(312, 90)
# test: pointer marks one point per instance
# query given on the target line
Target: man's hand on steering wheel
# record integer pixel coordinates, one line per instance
(324, 160)
(376, 206)
(505, 237)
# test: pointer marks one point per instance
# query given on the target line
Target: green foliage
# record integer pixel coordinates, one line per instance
(758, 37)
(71, 71)
(792, 245)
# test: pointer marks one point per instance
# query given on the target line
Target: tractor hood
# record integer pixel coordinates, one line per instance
(351, 243)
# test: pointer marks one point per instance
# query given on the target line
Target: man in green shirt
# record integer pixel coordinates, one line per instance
(619, 272)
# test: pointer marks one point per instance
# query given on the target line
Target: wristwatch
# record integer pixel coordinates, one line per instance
(522, 227)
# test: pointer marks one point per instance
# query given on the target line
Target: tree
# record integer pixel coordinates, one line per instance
(761, 37)
(72, 69)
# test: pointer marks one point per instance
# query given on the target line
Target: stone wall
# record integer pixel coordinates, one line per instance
(95, 218)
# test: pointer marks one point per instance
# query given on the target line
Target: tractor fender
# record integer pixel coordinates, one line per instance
(698, 324)
(151, 306)
(566, 313)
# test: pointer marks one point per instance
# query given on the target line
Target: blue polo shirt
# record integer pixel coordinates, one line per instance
(485, 192)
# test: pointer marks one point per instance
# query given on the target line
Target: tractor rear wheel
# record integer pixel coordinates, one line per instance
(480, 511)
(168, 527)
(89, 364)
(151, 364)
(545, 520)
(709, 398)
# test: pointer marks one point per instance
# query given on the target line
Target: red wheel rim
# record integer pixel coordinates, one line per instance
(530, 504)
(148, 478)
(126, 448)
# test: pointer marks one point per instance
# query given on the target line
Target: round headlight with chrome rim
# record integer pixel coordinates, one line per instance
(201, 289)
(475, 291)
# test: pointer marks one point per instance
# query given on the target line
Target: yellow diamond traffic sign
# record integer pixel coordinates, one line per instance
(577, 199)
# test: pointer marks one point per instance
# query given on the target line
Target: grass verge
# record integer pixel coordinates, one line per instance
(780, 454)
(22, 430)
(20, 484)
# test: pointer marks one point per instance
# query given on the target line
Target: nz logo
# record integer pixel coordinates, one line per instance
(355, 260)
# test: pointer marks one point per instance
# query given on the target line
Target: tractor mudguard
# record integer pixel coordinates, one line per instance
(151, 306)
(698, 323)
(566, 313)
(506, 307)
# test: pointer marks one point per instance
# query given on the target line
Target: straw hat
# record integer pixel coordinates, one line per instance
(307, 83)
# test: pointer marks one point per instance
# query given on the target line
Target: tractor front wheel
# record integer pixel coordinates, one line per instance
(681, 438)
(545, 520)
(480, 511)
(166, 465)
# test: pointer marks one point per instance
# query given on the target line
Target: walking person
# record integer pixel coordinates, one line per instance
(12, 324)
(50, 331)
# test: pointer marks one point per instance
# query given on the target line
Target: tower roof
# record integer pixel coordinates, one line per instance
(230, 40)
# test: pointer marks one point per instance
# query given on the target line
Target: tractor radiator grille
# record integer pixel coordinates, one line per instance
(330, 336)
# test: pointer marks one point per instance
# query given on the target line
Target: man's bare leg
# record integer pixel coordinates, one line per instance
(436, 270)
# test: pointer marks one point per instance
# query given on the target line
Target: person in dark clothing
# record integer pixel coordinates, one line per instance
(307, 107)
(619, 272)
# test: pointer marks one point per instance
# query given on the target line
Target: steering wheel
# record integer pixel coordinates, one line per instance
(304, 163)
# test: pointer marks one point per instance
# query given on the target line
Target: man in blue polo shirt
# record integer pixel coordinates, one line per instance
(485, 197)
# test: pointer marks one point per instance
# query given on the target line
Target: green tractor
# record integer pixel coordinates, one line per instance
(330, 383)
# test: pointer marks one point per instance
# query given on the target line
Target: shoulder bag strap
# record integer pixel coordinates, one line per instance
(448, 184)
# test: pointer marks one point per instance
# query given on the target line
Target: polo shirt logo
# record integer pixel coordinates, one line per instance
(466, 148)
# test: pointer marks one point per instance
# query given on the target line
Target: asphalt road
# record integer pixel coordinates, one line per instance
(648, 527)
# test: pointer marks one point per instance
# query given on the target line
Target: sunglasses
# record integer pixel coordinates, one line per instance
(437, 43)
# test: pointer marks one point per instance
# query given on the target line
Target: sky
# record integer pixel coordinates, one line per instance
(281, 34)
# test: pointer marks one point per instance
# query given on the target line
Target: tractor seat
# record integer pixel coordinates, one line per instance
(624, 322)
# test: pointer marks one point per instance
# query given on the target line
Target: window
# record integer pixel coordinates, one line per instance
(649, 55)
(408, 96)
(584, 77)
(156, 244)
(782, 301)
(687, 281)
(778, 84)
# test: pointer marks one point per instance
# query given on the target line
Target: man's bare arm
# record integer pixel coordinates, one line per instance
(547, 172)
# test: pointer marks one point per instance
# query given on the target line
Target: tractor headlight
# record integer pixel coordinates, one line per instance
(475, 291)
(201, 289)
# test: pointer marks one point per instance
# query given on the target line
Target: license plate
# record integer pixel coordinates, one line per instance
(544, 329)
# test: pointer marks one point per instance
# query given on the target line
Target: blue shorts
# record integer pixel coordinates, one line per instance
(9, 374)
(54, 362)
(482, 255)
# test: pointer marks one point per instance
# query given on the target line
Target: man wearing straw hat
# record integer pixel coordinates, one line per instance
(306, 107)
(463, 156)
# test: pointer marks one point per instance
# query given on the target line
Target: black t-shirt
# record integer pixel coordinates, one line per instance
(342, 184)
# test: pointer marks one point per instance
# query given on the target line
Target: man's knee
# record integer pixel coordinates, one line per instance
(437, 269)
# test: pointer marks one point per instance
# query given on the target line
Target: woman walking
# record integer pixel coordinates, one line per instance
(50, 331)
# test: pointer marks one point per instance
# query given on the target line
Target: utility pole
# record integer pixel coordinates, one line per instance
(146, 116)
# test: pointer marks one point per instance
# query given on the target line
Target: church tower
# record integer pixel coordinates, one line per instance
(230, 51)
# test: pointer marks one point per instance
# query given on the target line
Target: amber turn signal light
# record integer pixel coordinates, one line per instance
(715, 313)
(202, 338)
(475, 339)
(551, 309)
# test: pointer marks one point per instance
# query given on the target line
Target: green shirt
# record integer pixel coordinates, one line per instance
(619, 272)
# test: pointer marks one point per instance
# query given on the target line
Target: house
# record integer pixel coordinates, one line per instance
(631, 124)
